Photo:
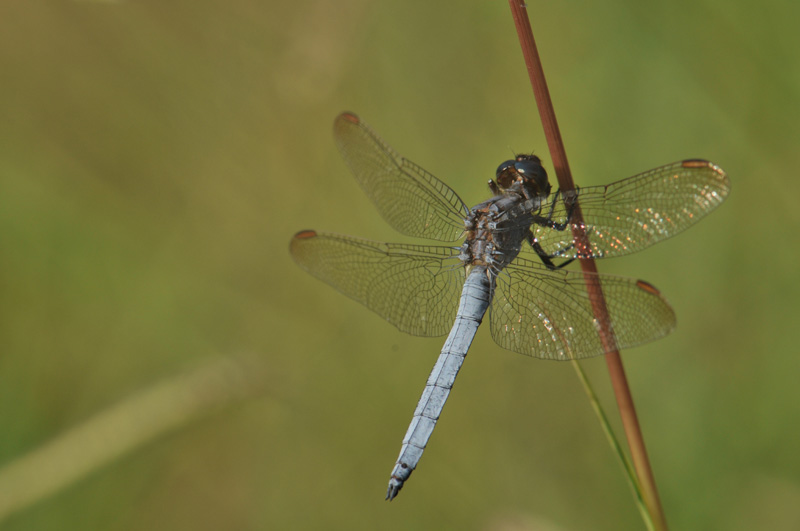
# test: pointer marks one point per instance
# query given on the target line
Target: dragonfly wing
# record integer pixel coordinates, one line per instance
(414, 287)
(632, 214)
(411, 200)
(548, 313)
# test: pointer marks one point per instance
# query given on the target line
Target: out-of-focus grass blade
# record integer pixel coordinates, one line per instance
(122, 428)
(627, 466)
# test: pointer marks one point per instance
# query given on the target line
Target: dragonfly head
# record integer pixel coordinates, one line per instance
(524, 172)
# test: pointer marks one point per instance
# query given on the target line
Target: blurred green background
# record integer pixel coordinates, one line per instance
(156, 158)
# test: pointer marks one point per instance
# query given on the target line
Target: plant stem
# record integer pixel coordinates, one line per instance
(619, 382)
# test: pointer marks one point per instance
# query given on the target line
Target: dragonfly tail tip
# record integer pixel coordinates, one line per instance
(394, 488)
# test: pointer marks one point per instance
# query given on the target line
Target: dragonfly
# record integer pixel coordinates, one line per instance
(506, 263)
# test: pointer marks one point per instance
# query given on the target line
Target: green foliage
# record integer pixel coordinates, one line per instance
(157, 157)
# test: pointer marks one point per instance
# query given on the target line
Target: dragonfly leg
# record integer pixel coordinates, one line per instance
(571, 200)
(547, 259)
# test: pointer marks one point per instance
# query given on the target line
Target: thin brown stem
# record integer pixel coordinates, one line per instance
(619, 382)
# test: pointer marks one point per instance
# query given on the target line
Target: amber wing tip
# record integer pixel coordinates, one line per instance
(695, 163)
(649, 288)
(350, 117)
(305, 235)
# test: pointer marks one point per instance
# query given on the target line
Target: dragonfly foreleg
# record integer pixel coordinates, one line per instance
(547, 259)
(570, 200)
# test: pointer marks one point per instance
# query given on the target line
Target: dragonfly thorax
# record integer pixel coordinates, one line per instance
(497, 228)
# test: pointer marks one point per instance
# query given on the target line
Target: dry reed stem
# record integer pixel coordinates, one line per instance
(619, 382)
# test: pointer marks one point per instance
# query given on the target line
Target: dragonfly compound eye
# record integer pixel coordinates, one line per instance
(530, 167)
(506, 174)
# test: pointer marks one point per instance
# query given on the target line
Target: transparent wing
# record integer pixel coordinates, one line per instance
(548, 313)
(629, 215)
(414, 287)
(411, 200)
